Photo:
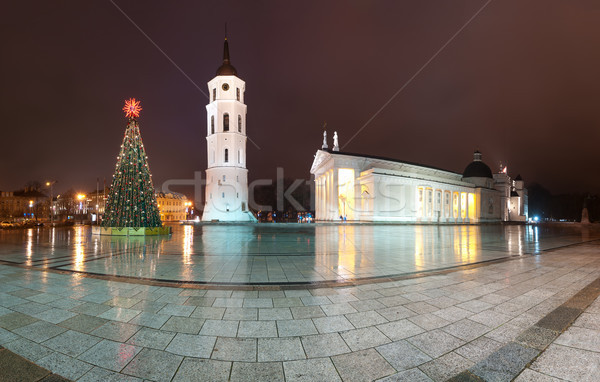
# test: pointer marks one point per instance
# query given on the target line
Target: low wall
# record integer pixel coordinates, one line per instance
(131, 231)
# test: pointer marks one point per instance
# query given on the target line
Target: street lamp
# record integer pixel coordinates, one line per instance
(51, 183)
(81, 197)
(30, 208)
(187, 209)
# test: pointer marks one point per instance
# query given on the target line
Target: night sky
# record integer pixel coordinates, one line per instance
(521, 83)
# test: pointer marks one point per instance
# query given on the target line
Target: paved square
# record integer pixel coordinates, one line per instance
(488, 320)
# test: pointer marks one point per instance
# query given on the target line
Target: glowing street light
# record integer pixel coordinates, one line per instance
(51, 183)
(81, 197)
(187, 209)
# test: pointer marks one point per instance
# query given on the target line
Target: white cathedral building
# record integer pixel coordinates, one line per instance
(226, 193)
(357, 187)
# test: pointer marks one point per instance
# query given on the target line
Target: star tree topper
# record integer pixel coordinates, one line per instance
(132, 108)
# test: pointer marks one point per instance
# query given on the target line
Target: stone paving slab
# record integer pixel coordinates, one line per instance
(511, 360)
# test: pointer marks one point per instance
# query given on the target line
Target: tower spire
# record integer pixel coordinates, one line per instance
(226, 69)
(226, 51)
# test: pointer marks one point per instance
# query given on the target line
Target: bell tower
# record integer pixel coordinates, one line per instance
(226, 195)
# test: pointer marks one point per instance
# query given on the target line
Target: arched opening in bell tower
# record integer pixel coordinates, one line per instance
(226, 122)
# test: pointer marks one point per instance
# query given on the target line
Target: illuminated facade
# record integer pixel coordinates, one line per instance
(172, 206)
(226, 195)
(366, 188)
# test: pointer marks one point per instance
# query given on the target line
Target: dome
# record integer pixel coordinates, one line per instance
(226, 69)
(477, 169)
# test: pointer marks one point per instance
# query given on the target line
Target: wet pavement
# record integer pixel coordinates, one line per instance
(281, 253)
(529, 314)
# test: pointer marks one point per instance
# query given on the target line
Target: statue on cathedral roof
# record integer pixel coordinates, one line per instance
(336, 145)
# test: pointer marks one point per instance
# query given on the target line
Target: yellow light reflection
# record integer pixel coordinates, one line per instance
(466, 243)
(346, 251)
(29, 247)
(419, 244)
(53, 239)
(188, 243)
(79, 248)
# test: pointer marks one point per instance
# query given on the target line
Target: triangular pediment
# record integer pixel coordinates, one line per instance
(321, 157)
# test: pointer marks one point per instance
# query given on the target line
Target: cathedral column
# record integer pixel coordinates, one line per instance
(336, 202)
(467, 208)
(326, 196)
(319, 209)
(318, 201)
(459, 218)
(329, 195)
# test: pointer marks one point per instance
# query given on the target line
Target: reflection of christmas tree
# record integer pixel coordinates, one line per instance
(131, 201)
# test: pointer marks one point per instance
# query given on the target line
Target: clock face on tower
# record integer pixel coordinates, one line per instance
(225, 86)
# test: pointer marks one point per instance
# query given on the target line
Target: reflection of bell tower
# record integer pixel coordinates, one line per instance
(226, 176)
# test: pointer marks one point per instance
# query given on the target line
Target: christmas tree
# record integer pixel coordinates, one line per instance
(131, 201)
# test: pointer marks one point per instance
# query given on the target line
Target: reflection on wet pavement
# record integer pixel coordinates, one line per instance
(282, 253)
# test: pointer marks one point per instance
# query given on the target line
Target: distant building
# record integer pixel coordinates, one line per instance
(173, 206)
(514, 197)
(359, 187)
(71, 205)
(96, 201)
(28, 203)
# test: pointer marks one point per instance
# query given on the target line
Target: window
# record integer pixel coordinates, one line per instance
(223, 194)
(214, 94)
(213, 156)
(226, 122)
(455, 205)
(420, 201)
(212, 124)
(226, 155)
(239, 156)
(463, 205)
(237, 92)
(429, 202)
(471, 206)
(223, 178)
(239, 123)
